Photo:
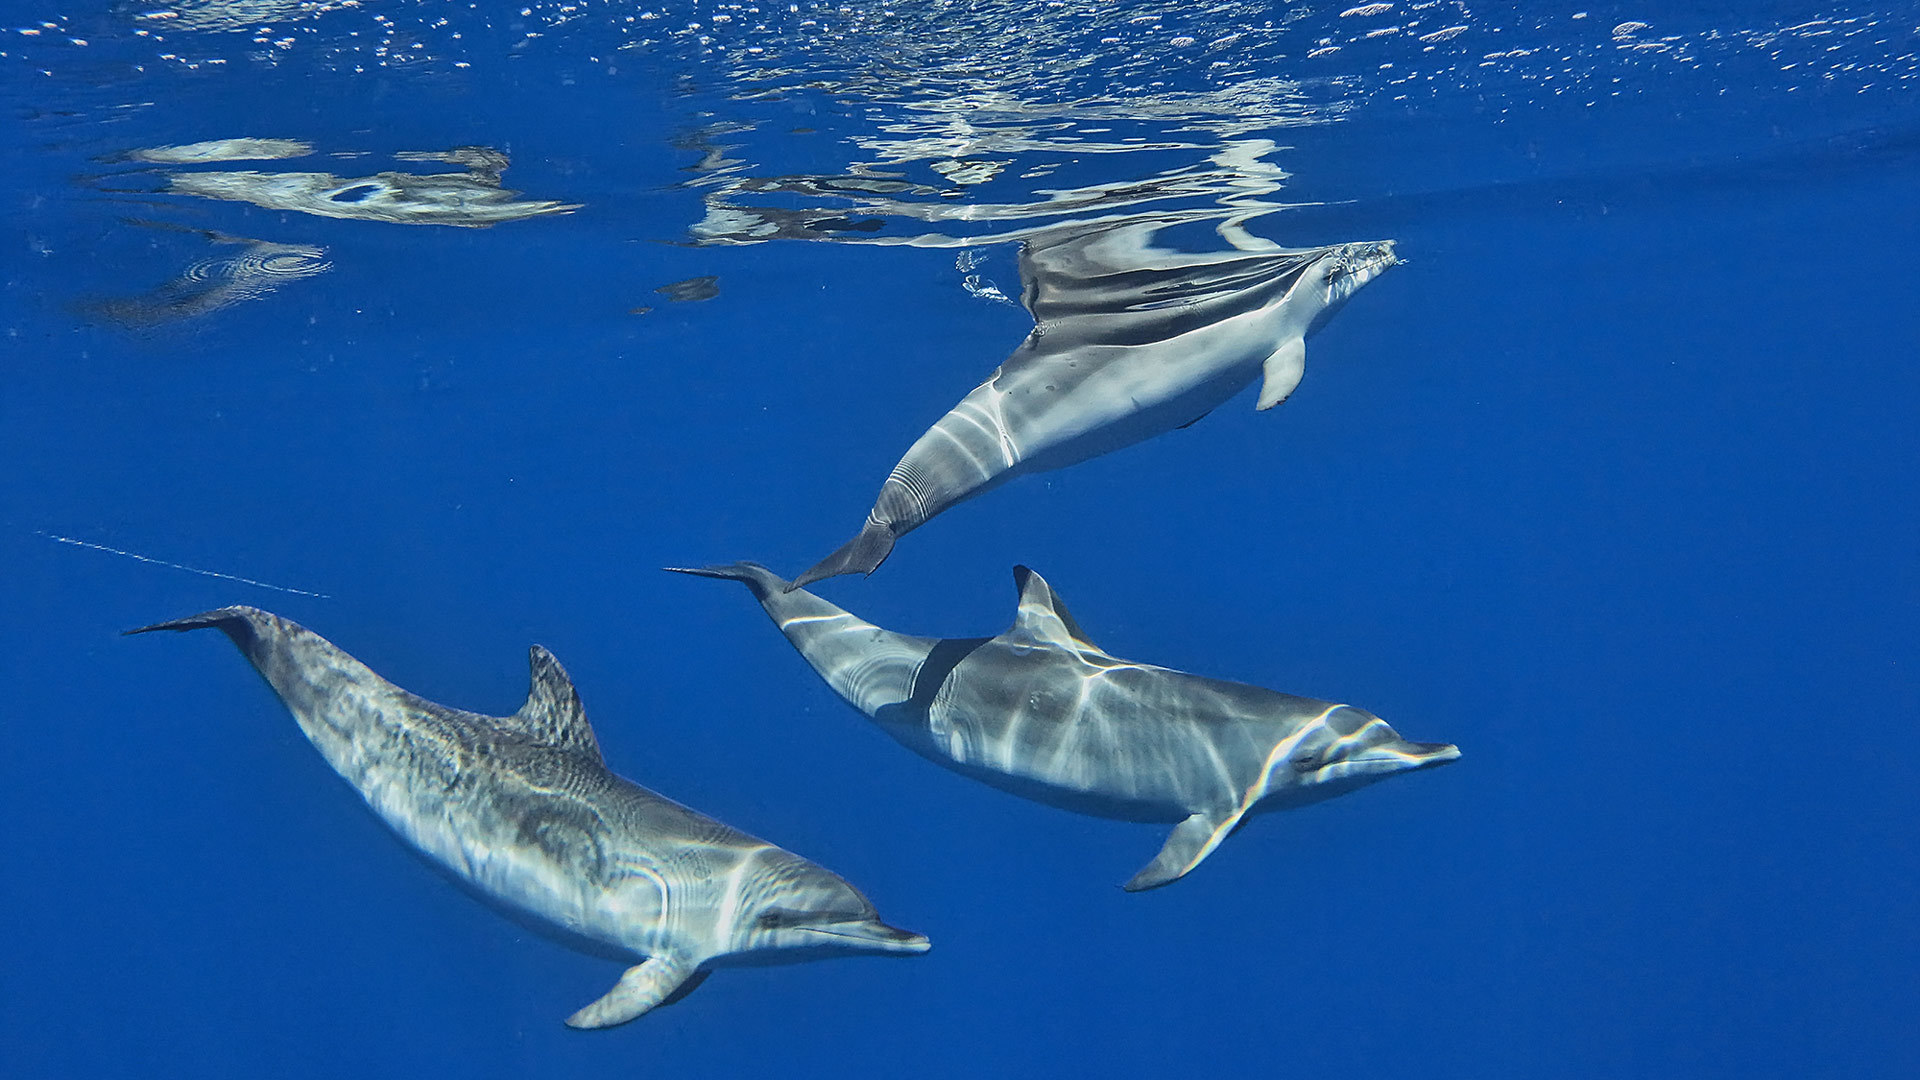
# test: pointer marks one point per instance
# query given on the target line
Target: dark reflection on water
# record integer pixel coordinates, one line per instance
(207, 285)
(472, 197)
(697, 288)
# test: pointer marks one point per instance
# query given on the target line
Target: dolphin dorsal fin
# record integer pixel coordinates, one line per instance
(1283, 371)
(553, 714)
(1043, 619)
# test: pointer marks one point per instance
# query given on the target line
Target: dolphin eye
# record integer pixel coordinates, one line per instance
(777, 918)
(1306, 763)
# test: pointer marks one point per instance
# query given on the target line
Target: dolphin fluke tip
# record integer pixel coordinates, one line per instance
(221, 617)
(733, 571)
(861, 555)
(1145, 880)
(758, 578)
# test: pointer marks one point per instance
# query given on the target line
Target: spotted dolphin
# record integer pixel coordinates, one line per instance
(1042, 712)
(524, 809)
(1130, 340)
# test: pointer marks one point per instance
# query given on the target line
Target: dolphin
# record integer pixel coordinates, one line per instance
(1129, 341)
(1042, 712)
(524, 810)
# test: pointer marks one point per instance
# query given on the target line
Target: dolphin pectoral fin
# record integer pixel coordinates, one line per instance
(1191, 841)
(1283, 371)
(861, 555)
(641, 988)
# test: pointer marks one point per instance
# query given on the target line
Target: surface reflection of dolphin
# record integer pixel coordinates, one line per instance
(219, 150)
(259, 267)
(1130, 340)
(470, 199)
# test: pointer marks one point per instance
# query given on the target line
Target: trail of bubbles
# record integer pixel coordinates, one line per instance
(180, 566)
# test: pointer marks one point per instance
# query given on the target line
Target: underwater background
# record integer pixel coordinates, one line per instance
(441, 327)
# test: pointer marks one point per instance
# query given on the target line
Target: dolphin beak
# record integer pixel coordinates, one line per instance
(1402, 754)
(872, 934)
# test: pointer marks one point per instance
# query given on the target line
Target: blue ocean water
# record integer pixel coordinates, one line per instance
(1610, 484)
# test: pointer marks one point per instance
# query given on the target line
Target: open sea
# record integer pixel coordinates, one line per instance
(442, 327)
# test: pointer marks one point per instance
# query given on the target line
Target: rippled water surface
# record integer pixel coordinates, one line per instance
(440, 327)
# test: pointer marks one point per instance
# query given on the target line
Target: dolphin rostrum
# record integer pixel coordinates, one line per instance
(1130, 340)
(1042, 712)
(524, 810)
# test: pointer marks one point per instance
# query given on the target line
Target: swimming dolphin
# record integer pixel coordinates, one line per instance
(524, 809)
(1129, 341)
(1042, 712)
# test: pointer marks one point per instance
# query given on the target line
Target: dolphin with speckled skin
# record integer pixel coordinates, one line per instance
(1042, 712)
(1130, 340)
(524, 810)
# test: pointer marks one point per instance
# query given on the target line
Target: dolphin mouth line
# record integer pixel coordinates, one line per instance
(855, 935)
(889, 938)
(829, 933)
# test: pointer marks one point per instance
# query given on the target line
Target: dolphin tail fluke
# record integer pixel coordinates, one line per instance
(218, 617)
(641, 988)
(761, 580)
(861, 555)
(1191, 841)
(242, 624)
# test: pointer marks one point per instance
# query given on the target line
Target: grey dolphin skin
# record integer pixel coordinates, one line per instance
(1042, 712)
(1129, 341)
(524, 809)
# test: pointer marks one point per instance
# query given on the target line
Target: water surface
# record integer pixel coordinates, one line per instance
(439, 330)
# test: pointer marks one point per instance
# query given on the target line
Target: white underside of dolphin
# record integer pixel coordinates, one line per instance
(524, 809)
(1044, 713)
(1129, 341)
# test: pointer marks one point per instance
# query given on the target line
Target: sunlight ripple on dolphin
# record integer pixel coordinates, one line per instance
(525, 810)
(1042, 712)
(1130, 340)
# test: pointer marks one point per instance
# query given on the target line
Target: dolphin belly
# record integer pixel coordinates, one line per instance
(1114, 412)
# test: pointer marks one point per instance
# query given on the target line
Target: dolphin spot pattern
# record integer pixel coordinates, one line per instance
(524, 809)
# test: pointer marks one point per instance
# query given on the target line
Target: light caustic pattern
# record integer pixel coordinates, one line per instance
(1032, 49)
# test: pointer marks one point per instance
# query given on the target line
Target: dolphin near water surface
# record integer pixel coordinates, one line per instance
(1130, 340)
(524, 809)
(1042, 712)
